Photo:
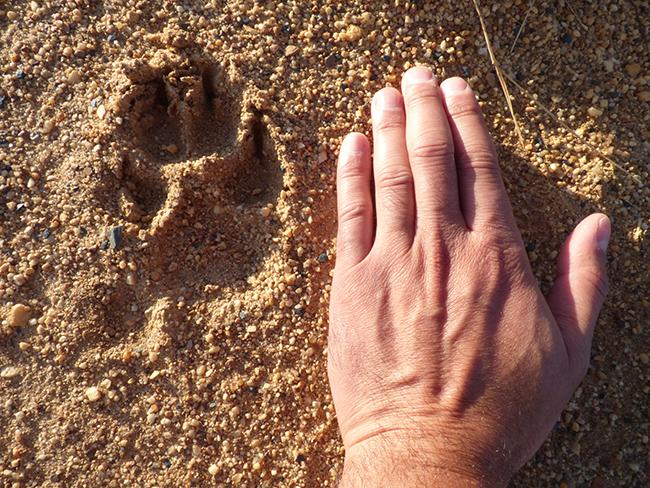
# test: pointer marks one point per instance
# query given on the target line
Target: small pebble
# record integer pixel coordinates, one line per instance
(18, 315)
(352, 34)
(74, 77)
(93, 394)
(49, 126)
(633, 69)
(331, 61)
(290, 50)
(20, 280)
(594, 112)
(609, 65)
(130, 279)
(115, 237)
(9, 372)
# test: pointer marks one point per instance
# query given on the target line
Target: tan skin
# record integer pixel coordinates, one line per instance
(448, 367)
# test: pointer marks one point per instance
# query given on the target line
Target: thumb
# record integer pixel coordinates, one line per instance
(580, 287)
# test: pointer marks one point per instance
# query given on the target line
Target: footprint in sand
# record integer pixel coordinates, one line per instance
(199, 164)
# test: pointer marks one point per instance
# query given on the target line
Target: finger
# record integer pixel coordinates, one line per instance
(394, 199)
(580, 287)
(355, 210)
(483, 197)
(430, 148)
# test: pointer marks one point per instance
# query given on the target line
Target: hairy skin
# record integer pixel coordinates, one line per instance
(448, 367)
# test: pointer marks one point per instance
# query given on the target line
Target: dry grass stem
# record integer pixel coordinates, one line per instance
(497, 68)
(521, 27)
(582, 24)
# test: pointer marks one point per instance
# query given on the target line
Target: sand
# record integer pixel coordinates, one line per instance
(167, 223)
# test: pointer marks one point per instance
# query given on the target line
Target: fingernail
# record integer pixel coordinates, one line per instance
(454, 85)
(603, 234)
(387, 99)
(419, 74)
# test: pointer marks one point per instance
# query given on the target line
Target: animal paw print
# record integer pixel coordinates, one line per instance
(199, 163)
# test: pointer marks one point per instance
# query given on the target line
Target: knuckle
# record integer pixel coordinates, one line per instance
(460, 109)
(478, 156)
(499, 246)
(353, 170)
(352, 212)
(432, 147)
(389, 121)
(423, 94)
(495, 233)
(353, 163)
(597, 280)
(497, 226)
(396, 179)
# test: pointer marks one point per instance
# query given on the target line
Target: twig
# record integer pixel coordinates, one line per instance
(578, 136)
(497, 68)
(576, 15)
(521, 27)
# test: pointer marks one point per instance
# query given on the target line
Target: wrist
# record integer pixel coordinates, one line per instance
(390, 460)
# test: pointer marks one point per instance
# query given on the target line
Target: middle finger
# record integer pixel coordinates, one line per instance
(431, 149)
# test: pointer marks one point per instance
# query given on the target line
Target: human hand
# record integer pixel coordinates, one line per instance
(447, 364)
